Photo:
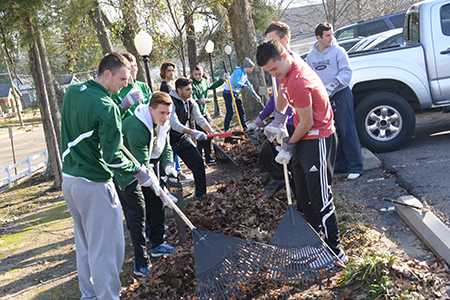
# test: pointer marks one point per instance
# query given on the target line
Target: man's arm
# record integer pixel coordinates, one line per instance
(305, 125)
(344, 74)
(198, 117)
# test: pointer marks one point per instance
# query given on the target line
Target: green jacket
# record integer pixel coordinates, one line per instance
(91, 134)
(137, 137)
(142, 86)
(200, 88)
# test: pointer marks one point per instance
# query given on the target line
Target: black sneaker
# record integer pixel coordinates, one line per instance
(211, 161)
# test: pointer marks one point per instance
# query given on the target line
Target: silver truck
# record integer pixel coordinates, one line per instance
(391, 84)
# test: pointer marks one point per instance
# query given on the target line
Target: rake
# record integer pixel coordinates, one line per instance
(301, 256)
(223, 264)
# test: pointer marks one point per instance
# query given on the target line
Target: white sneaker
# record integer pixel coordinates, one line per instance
(343, 257)
(353, 176)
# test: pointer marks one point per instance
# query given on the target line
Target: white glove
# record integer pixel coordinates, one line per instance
(134, 96)
(214, 132)
(285, 152)
(172, 197)
(255, 124)
(204, 100)
(277, 128)
(225, 76)
(169, 169)
(148, 179)
(198, 135)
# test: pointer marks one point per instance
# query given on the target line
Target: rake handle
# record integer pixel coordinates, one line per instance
(172, 204)
(286, 179)
(232, 97)
(225, 134)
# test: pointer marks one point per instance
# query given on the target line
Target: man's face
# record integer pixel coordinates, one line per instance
(170, 73)
(326, 40)
(185, 92)
(277, 68)
(198, 75)
(161, 114)
(134, 69)
(274, 36)
(114, 83)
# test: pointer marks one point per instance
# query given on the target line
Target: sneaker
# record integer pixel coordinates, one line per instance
(353, 176)
(163, 249)
(211, 161)
(343, 257)
(184, 178)
(141, 272)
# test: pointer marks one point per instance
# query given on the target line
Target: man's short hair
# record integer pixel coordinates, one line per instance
(280, 28)
(164, 67)
(267, 50)
(321, 27)
(130, 57)
(182, 82)
(198, 68)
(113, 62)
(160, 98)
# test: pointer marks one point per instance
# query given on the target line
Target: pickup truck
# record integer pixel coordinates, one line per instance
(390, 85)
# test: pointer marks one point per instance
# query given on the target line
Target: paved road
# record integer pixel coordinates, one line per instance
(423, 164)
(25, 143)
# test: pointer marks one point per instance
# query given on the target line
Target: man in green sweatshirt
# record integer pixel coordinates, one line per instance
(91, 149)
(146, 135)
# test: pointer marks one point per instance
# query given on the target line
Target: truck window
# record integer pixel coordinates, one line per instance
(347, 34)
(371, 28)
(397, 20)
(445, 19)
(411, 28)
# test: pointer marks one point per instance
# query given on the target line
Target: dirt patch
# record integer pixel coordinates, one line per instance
(37, 252)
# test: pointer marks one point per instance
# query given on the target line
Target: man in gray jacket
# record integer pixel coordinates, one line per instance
(331, 63)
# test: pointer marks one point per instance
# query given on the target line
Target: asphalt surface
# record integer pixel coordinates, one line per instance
(422, 166)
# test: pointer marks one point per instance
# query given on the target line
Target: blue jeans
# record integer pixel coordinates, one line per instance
(348, 156)
(229, 106)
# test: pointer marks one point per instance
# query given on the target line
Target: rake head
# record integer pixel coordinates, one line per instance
(226, 264)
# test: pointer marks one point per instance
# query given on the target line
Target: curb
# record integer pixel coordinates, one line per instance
(432, 231)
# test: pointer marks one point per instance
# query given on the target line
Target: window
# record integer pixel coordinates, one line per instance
(347, 34)
(411, 34)
(371, 28)
(445, 19)
(397, 20)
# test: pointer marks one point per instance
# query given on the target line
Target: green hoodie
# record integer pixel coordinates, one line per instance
(200, 88)
(142, 86)
(91, 134)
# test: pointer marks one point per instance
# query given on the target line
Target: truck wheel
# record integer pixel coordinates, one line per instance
(384, 121)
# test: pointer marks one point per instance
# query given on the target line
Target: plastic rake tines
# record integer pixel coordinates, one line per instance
(306, 265)
(230, 266)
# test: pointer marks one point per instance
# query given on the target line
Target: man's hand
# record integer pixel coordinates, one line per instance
(147, 179)
(170, 170)
(198, 135)
(214, 132)
(225, 76)
(277, 129)
(204, 100)
(134, 96)
(332, 86)
(286, 151)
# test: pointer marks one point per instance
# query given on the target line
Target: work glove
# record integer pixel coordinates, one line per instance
(198, 135)
(285, 151)
(204, 100)
(169, 169)
(164, 201)
(134, 96)
(214, 132)
(147, 179)
(277, 128)
(332, 86)
(225, 76)
(255, 124)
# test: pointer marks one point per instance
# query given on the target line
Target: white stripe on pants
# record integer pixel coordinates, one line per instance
(99, 237)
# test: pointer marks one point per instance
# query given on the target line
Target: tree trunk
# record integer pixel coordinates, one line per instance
(95, 14)
(131, 28)
(190, 38)
(244, 37)
(50, 135)
(50, 82)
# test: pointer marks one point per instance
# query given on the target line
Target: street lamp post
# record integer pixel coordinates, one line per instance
(228, 52)
(209, 47)
(143, 43)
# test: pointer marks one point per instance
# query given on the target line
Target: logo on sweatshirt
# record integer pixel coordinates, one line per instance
(83, 87)
(321, 65)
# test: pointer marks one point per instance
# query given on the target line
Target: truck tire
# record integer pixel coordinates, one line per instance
(384, 121)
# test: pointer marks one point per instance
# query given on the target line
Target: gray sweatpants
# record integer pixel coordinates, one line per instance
(99, 238)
